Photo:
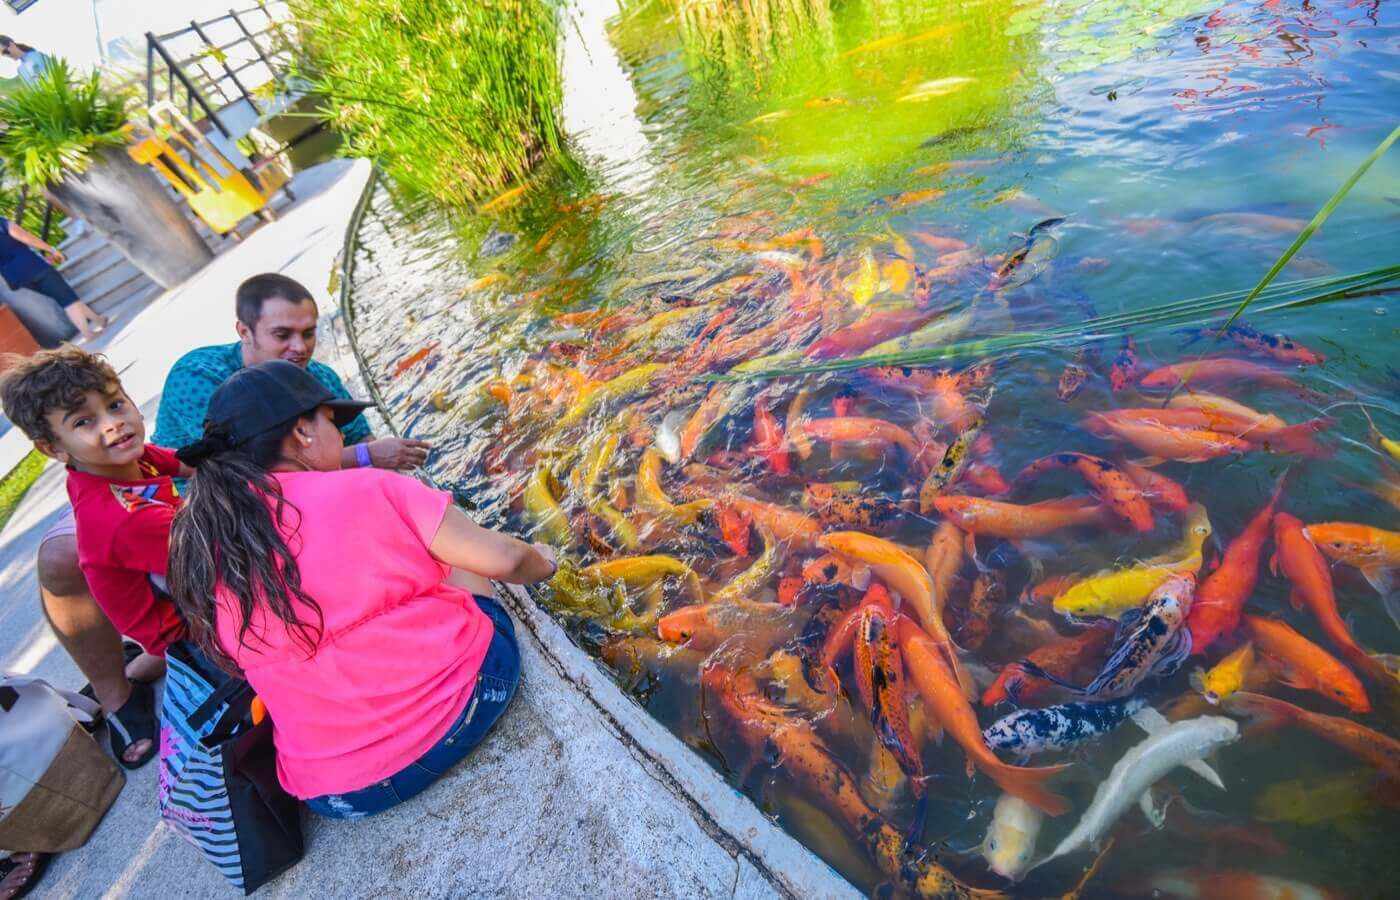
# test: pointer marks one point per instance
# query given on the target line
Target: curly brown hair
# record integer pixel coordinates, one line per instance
(33, 386)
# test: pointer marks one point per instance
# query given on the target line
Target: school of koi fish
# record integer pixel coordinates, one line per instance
(846, 580)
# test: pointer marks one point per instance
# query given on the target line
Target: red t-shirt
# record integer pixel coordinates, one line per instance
(123, 540)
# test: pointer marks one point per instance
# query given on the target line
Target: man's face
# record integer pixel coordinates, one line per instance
(103, 434)
(285, 330)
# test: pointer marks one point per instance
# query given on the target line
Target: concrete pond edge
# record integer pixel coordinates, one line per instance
(729, 817)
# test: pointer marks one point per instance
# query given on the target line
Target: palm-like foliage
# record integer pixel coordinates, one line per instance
(54, 126)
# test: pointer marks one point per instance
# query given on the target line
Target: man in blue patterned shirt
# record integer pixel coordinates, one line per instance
(276, 320)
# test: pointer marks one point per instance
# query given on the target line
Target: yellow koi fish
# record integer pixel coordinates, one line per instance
(939, 87)
(641, 571)
(748, 582)
(1226, 676)
(1113, 592)
(543, 510)
(652, 498)
(594, 395)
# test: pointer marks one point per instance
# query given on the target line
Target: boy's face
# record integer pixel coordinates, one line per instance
(104, 434)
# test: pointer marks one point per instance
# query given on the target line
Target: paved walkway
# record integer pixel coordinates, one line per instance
(578, 793)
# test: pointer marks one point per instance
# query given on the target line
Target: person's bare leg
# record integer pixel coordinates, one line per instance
(83, 629)
(25, 863)
(471, 581)
(84, 318)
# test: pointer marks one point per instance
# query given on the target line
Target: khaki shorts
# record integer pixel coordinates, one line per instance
(66, 526)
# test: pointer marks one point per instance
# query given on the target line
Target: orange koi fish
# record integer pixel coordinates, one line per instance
(1164, 442)
(1214, 370)
(1303, 565)
(704, 626)
(414, 358)
(735, 529)
(830, 569)
(985, 478)
(939, 243)
(710, 411)
(1373, 551)
(1161, 492)
(840, 637)
(788, 525)
(994, 518)
(768, 437)
(860, 430)
(1118, 492)
(1065, 659)
(1237, 884)
(880, 680)
(1274, 346)
(1304, 665)
(944, 390)
(945, 699)
(1220, 599)
(1381, 751)
(1255, 428)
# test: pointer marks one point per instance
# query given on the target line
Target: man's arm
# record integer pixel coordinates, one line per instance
(403, 454)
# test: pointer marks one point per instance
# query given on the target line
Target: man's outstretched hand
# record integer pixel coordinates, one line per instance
(398, 453)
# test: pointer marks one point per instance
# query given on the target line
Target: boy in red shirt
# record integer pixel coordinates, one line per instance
(72, 406)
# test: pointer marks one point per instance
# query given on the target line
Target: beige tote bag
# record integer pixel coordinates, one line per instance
(56, 784)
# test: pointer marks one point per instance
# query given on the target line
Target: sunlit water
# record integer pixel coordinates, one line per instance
(1183, 144)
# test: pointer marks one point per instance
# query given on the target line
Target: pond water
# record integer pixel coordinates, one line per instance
(643, 358)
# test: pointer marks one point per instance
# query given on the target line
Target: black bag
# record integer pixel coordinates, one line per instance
(218, 774)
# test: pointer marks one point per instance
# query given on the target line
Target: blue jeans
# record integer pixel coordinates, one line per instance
(495, 687)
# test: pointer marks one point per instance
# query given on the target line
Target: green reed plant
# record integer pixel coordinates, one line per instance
(455, 98)
(56, 125)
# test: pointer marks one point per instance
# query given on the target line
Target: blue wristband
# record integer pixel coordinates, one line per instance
(362, 456)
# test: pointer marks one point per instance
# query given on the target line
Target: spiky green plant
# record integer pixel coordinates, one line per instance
(454, 98)
(56, 125)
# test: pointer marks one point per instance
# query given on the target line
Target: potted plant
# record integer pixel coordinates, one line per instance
(66, 134)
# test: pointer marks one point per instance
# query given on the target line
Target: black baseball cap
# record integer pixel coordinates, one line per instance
(257, 398)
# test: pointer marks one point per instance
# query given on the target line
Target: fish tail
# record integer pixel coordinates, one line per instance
(1302, 438)
(915, 834)
(1029, 785)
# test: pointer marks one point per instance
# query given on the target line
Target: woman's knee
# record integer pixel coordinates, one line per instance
(56, 566)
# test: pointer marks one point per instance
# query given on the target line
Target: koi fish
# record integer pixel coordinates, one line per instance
(735, 529)
(880, 680)
(1221, 597)
(939, 87)
(652, 498)
(948, 467)
(940, 243)
(597, 394)
(1062, 659)
(1267, 432)
(847, 505)
(1027, 732)
(752, 579)
(1274, 346)
(1124, 371)
(994, 518)
(1117, 491)
(1144, 765)
(945, 391)
(1380, 751)
(752, 624)
(988, 592)
(640, 571)
(910, 580)
(1072, 380)
(830, 569)
(1227, 676)
(841, 636)
(861, 431)
(414, 358)
(711, 410)
(543, 510)
(1214, 370)
(1150, 642)
(1313, 801)
(1302, 564)
(793, 431)
(945, 699)
(789, 526)
(872, 329)
(1113, 592)
(768, 438)
(1010, 840)
(765, 727)
(1373, 551)
(1164, 442)
(1161, 492)
(1304, 665)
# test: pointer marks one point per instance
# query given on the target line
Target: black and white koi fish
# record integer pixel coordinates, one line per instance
(1027, 732)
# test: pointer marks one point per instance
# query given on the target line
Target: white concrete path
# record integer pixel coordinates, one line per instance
(577, 794)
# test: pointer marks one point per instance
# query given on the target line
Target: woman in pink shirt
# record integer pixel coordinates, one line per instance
(355, 602)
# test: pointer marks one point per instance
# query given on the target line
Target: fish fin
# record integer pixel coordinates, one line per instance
(1158, 817)
(1149, 720)
(1382, 579)
(1273, 564)
(1387, 662)
(1268, 713)
(1295, 598)
(1197, 680)
(1148, 462)
(1205, 771)
(1294, 677)
(1176, 651)
(1036, 671)
(915, 835)
(1029, 785)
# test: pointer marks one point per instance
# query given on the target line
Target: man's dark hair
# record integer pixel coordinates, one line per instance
(34, 386)
(259, 289)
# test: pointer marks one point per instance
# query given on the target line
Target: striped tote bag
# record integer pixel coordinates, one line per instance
(218, 774)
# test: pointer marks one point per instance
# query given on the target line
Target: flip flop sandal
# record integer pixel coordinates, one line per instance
(130, 651)
(135, 721)
(41, 862)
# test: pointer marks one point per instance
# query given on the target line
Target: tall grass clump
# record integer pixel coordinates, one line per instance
(454, 98)
(749, 35)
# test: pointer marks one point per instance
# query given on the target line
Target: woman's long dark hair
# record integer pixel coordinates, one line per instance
(226, 536)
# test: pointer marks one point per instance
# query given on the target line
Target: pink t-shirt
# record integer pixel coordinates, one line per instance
(400, 649)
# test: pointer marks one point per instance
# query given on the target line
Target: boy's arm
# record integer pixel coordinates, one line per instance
(128, 600)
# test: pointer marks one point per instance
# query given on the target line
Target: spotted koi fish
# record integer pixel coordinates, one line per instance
(1027, 732)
